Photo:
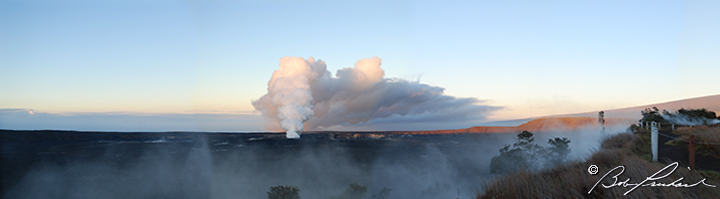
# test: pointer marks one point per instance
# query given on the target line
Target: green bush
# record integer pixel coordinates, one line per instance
(354, 191)
(382, 194)
(698, 116)
(284, 192)
(652, 115)
(526, 155)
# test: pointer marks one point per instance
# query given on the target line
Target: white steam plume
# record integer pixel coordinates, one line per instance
(289, 96)
(303, 90)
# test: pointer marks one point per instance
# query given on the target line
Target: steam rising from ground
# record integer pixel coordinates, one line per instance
(413, 167)
(304, 90)
(289, 97)
(685, 120)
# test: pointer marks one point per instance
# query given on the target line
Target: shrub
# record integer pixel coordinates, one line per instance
(354, 191)
(526, 155)
(284, 192)
(382, 194)
(650, 115)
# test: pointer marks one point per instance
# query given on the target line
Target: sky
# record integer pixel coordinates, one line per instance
(89, 59)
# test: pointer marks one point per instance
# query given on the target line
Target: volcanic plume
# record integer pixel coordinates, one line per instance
(289, 97)
(304, 91)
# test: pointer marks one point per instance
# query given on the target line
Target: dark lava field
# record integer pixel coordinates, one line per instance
(70, 164)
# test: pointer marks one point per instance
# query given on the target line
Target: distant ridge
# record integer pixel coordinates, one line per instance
(711, 103)
(569, 122)
(543, 124)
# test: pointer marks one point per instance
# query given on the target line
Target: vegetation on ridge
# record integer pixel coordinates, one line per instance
(572, 180)
(527, 155)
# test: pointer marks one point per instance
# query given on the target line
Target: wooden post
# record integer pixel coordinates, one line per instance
(654, 141)
(692, 152)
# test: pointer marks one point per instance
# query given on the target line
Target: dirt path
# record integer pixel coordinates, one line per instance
(680, 154)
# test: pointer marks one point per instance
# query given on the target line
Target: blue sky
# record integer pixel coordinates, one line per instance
(178, 57)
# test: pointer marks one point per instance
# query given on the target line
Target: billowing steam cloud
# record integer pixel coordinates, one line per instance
(289, 97)
(304, 90)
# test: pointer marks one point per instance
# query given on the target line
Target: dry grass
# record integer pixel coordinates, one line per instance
(710, 134)
(703, 134)
(572, 180)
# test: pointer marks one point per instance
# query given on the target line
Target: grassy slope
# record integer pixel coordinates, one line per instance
(573, 181)
(707, 134)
